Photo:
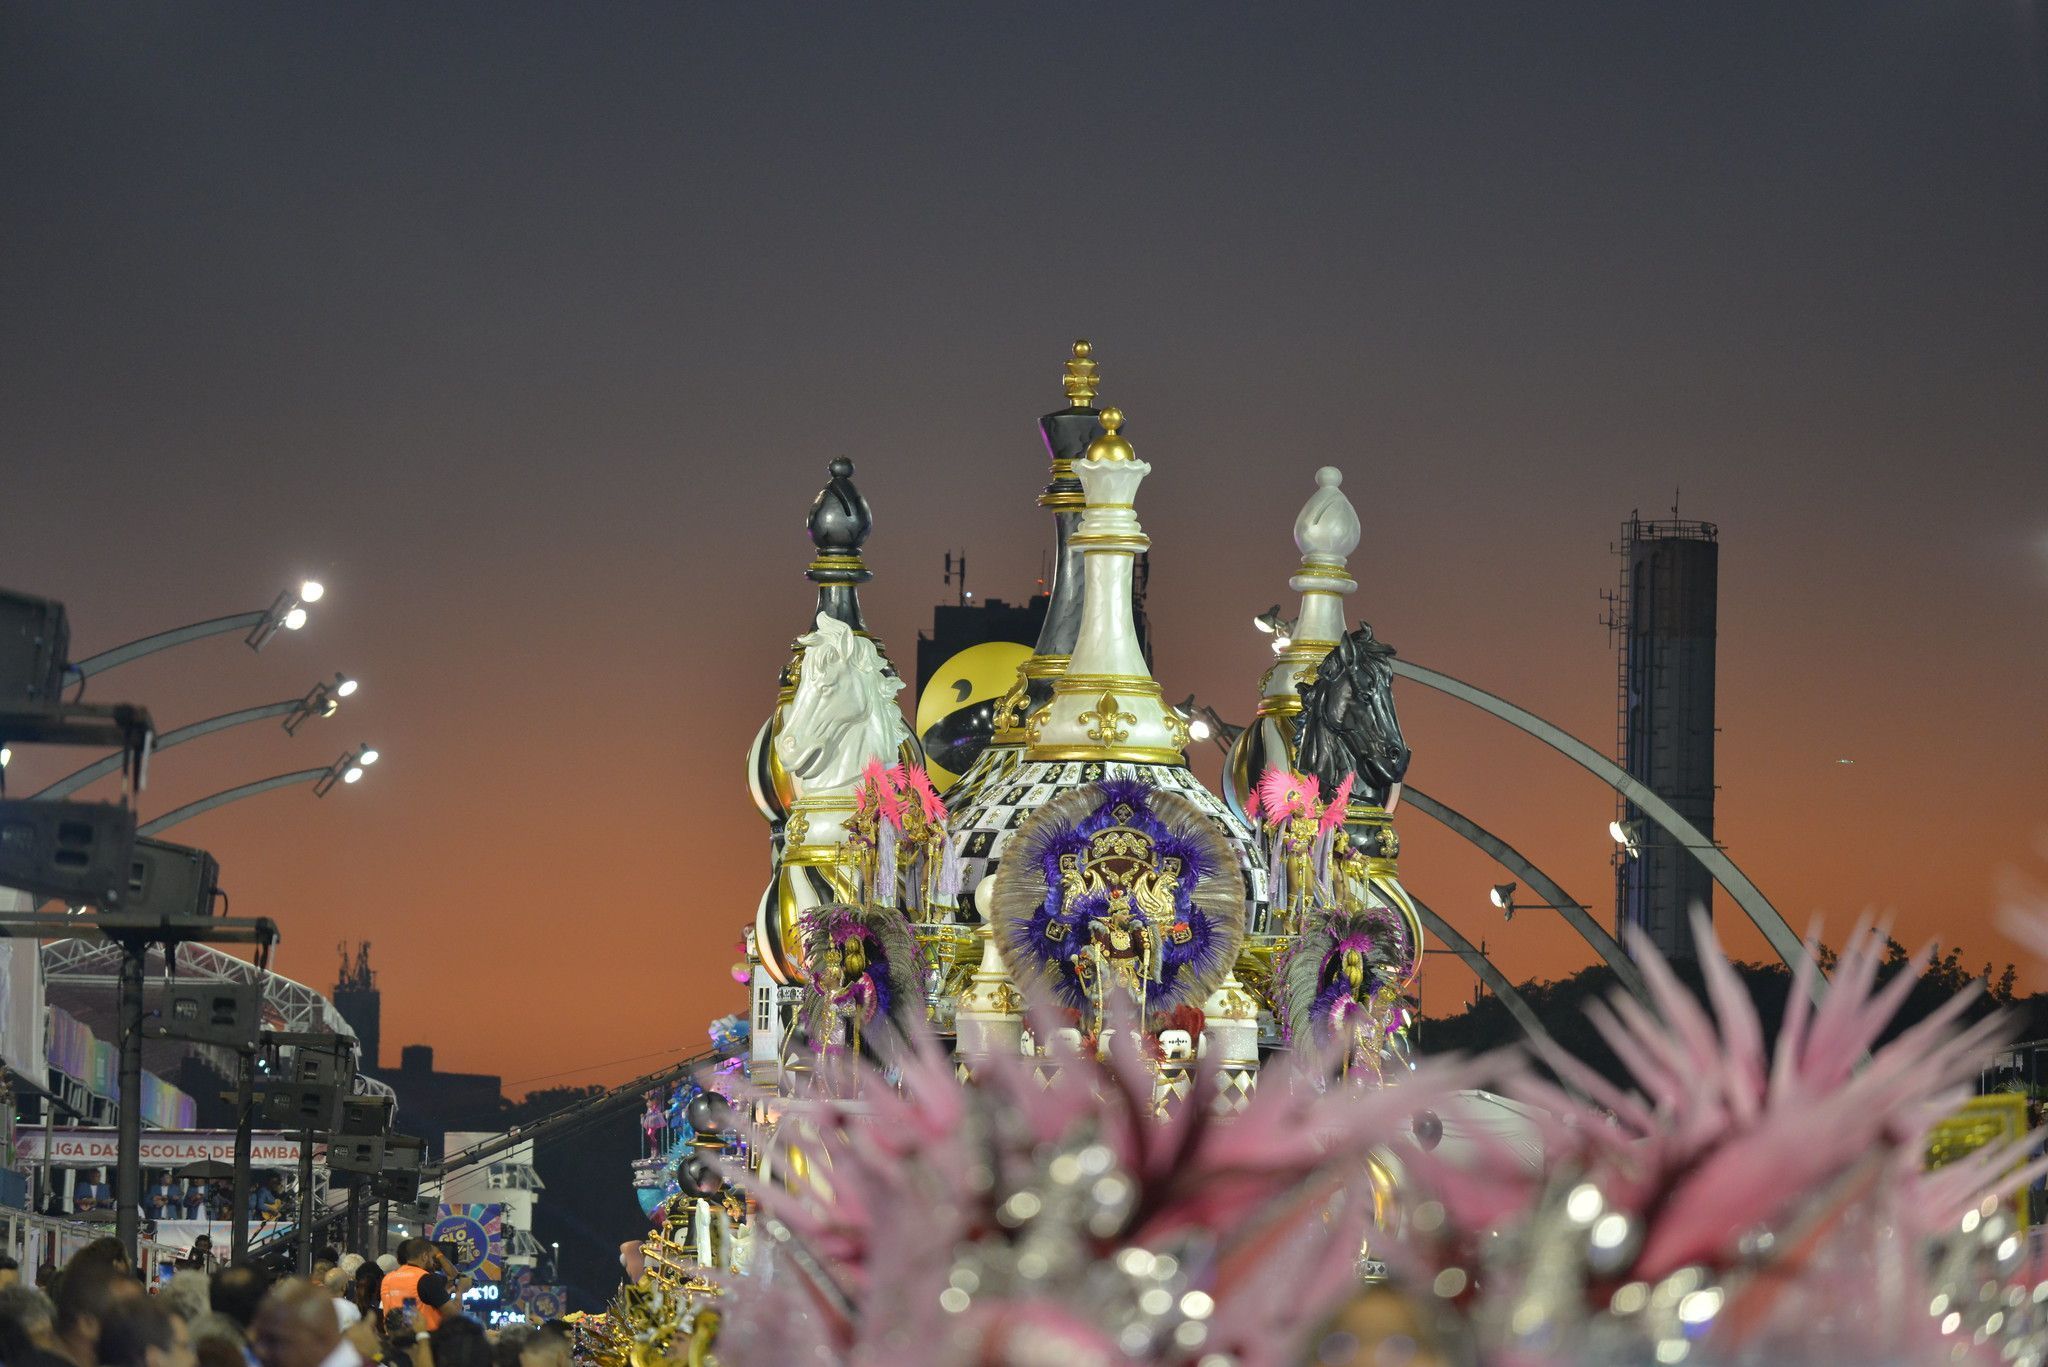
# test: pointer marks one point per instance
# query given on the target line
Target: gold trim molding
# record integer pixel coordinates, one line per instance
(1127, 754)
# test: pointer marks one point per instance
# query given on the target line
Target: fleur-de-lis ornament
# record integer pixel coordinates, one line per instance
(1107, 724)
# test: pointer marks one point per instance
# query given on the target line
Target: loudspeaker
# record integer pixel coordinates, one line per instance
(228, 1014)
(355, 1153)
(400, 1178)
(320, 1068)
(35, 637)
(81, 852)
(294, 1106)
(404, 1152)
(403, 1187)
(167, 880)
(365, 1115)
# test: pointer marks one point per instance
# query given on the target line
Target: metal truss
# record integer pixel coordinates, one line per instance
(293, 1006)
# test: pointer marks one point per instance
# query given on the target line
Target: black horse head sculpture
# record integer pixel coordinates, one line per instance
(1348, 724)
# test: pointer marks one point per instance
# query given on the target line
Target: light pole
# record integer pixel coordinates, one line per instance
(286, 612)
(1502, 895)
(322, 700)
(348, 769)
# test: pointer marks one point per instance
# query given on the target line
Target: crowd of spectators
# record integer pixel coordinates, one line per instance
(403, 1309)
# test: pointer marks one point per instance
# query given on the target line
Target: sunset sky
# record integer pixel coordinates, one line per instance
(530, 330)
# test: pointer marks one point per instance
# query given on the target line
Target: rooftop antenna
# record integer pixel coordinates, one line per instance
(956, 575)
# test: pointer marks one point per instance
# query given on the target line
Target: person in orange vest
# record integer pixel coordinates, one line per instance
(426, 1277)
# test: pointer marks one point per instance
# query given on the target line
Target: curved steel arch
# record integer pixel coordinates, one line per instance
(1476, 959)
(1732, 879)
(164, 640)
(1573, 911)
(71, 783)
(223, 798)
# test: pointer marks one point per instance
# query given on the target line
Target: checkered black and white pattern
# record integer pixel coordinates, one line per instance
(1235, 1084)
(1007, 790)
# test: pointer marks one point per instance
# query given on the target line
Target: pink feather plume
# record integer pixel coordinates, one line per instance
(1282, 794)
(1340, 803)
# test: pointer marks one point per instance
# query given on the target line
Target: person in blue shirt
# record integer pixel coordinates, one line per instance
(160, 1201)
(91, 1194)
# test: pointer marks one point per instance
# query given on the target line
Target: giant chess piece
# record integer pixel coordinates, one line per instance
(1348, 724)
(1349, 733)
(1106, 706)
(842, 719)
(989, 1012)
(1067, 434)
(839, 524)
(1325, 533)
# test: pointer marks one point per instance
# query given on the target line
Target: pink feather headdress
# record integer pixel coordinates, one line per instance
(928, 797)
(1282, 794)
(1338, 806)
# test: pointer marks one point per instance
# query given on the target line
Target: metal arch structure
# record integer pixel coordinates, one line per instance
(299, 1008)
(1476, 960)
(1733, 880)
(164, 640)
(71, 783)
(93, 963)
(235, 794)
(1514, 861)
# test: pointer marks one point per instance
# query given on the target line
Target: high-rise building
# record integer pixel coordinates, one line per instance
(430, 1102)
(1664, 619)
(357, 999)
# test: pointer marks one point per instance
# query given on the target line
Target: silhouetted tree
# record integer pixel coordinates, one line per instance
(1561, 1004)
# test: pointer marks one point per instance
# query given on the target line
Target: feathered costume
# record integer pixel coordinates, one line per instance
(1302, 833)
(1341, 983)
(897, 829)
(867, 971)
(1119, 884)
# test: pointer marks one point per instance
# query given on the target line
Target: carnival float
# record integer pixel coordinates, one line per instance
(1073, 1059)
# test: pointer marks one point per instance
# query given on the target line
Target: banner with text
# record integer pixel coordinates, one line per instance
(160, 1148)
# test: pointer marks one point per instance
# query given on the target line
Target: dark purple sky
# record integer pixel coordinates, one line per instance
(531, 330)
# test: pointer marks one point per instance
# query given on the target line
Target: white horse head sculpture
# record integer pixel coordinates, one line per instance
(844, 714)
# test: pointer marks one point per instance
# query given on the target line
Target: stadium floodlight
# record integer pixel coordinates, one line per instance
(287, 612)
(323, 699)
(348, 769)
